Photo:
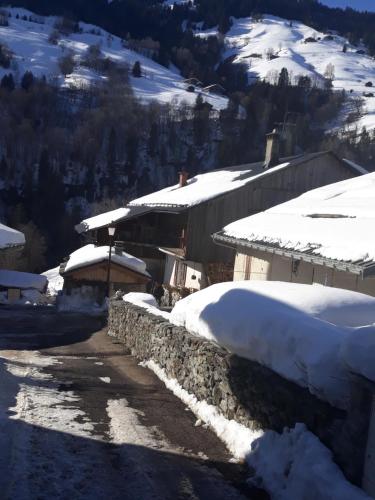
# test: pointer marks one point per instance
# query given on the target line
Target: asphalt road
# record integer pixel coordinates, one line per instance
(80, 419)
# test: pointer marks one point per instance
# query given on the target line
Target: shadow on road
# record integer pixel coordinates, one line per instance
(30, 328)
(47, 461)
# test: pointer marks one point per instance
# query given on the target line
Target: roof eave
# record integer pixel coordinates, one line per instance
(365, 270)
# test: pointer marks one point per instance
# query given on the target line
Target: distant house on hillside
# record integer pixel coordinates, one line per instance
(86, 275)
(171, 229)
(325, 236)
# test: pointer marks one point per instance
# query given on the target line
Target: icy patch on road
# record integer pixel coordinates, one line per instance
(42, 404)
(237, 437)
(125, 427)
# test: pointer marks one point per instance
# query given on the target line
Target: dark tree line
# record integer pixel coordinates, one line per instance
(66, 154)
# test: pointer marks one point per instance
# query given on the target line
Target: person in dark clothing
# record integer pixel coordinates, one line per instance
(158, 291)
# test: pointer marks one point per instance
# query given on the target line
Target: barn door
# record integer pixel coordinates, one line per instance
(369, 473)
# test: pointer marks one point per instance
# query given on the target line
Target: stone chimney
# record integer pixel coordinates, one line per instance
(183, 177)
(119, 247)
(289, 139)
(272, 150)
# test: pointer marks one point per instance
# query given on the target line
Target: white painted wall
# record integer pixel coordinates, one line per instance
(169, 270)
(195, 270)
(265, 266)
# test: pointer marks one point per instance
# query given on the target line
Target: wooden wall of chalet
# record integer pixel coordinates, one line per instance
(98, 272)
(268, 191)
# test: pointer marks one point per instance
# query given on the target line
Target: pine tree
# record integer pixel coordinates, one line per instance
(7, 82)
(3, 168)
(27, 80)
(283, 78)
(137, 70)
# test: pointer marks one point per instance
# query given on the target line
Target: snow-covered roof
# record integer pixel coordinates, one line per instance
(90, 254)
(15, 279)
(10, 237)
(204, 187)
(107, 218)
(199, 189)
(333, 222)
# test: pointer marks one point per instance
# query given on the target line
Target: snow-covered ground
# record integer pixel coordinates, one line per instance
(32, 51)
(55, 281)
(251, 43)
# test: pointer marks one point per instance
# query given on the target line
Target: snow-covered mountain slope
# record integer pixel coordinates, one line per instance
(32, 50)
(273, 43)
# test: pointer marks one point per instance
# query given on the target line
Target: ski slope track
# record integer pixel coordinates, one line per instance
(32, 51)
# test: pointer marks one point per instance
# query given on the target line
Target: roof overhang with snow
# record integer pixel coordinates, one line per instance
(200, 189)
(365, 269)
(10, 238)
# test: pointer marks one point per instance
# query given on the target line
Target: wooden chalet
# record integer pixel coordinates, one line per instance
(322, 237)
(86, 273)
(171, 229)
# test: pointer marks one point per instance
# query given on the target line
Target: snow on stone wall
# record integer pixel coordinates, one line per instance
(242, 390)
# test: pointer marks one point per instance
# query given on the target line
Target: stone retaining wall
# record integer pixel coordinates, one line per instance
(243, 390)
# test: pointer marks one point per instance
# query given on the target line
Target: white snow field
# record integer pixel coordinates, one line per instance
(249, 42)
(319, 221)
(10, 237)
(90, 254)
(32, 51)
(280, 326)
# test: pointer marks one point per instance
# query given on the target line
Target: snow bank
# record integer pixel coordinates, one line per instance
(55, 281)
(335, 305)
(271, 331)
(81, 300)
(236, 437)
(291, 465)
(10, 237)
(358, 351)
(15, 279)
(319, 221)
(296, 465)
(146, 301)
(90, 254)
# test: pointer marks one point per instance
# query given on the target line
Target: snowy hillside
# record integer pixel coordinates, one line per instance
(274, 43)
(32, 50)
